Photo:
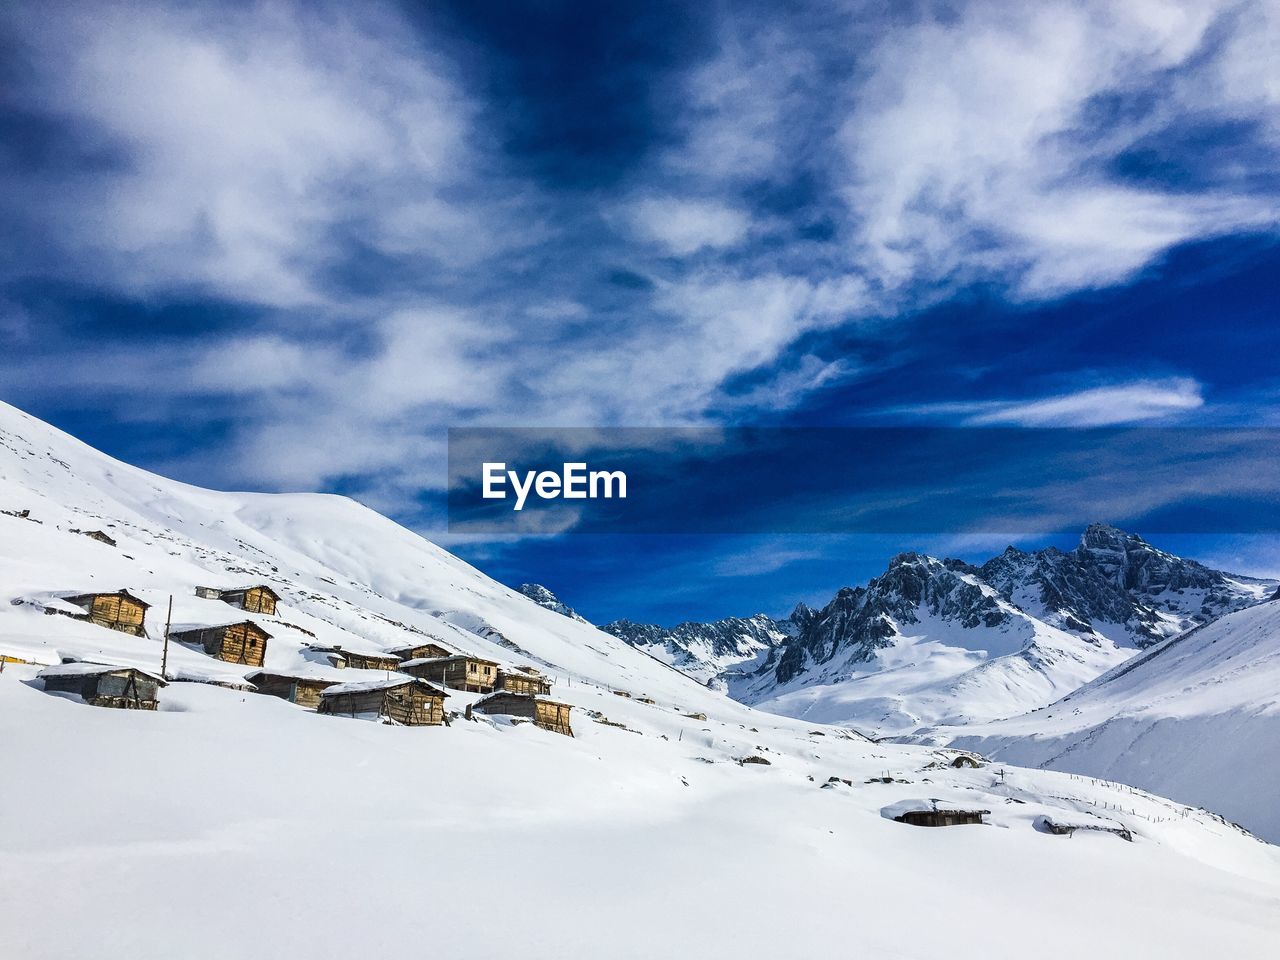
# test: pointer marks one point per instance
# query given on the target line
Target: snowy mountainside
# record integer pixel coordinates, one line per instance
(713, 651)
(346, 574)
(927, 640)
(1117, 585)
(1196, 717)
(943, 641)
(545, 598)
(567, 846)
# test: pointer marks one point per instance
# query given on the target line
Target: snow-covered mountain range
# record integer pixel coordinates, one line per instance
(228, 823)
(945, 642)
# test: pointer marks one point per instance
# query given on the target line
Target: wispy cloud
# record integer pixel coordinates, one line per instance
(685, 226)
(1115, 404)
(985, 144)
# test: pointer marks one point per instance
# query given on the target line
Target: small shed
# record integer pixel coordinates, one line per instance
(523, 680)
(460, 671)
(342, 657)
(431, 650)
(547, 714)
(120, 610)
(104, 684)
(100, 536)
(931, 813)
(242, 642)
(401, 700)
(255, 599)
(302, 690)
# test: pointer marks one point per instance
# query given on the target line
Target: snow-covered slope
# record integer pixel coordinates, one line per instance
(1196, 718)
(718, 651)
(927, 642)
(229, 824)
(941, 641)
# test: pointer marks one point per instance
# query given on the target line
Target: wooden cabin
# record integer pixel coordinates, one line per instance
(401, 700)
(100, 536)
(104, 685)
(244, 642)
(304, 691)
(460, 671)
(424, 651)
(523, 680)
(341, 657)
(119, 611)
(938, 817)
(256, 599)
(547, 714)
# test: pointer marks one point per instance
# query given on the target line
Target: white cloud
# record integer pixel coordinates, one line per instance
(684, 226)
(1136, 401)
(243, 137)
(972, 150)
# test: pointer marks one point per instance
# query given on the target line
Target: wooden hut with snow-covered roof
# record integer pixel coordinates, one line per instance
(547, 714)
(297, 688)
(104, 684)
(258, 598)
(430, 650)
(343, 657)
(242, 642)
(400, 700)
(462, 671)
(523, 680)
(119, 610)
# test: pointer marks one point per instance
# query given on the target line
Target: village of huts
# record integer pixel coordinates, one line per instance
(245, 636)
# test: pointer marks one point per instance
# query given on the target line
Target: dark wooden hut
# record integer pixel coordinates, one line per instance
(402, 700)
(935, 816)
(104, 685)
(255, 599)
(120, 610)
(460, 671)
(243, 642)
(304, 691)
(523, 680)
(547, 714)
(430, 650)
(341, 657)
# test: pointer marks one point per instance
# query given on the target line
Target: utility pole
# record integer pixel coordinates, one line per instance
(164, 658)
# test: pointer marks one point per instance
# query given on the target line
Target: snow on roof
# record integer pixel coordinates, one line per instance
(925, 806)
(122, 592)
(191, 627)
(354, 651)
(455, 656)
(427, 643)
(311, 677)
(252, 586)
(519, 696)
(87, 669)
(360, 686)
(62, 606)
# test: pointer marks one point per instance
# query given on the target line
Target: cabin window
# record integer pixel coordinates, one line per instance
(488, 671)
(471, 668)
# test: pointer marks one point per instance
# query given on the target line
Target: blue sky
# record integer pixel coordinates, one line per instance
(285, 245)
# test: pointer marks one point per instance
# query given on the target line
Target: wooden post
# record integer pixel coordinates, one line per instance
(164, 657)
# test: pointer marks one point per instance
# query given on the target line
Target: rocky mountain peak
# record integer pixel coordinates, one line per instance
(545, 598)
